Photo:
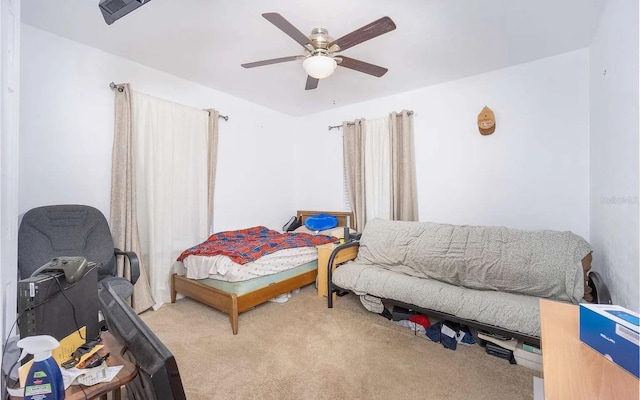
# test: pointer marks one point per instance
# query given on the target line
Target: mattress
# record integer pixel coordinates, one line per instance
(223, 268)
(250, 285)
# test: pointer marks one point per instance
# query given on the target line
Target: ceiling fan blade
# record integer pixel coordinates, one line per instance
(286, 27)
(270, 61)
(374, 29)
(362, 66)
(312, 83)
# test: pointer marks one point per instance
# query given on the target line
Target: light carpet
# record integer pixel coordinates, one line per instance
(303, 350)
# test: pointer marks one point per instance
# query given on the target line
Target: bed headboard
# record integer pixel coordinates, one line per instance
(345, 218)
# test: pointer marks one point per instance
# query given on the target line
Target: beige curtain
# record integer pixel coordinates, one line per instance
(404, 196)
(124, 226)
(171, 157)
(212, 161)
(377, 168)
(353, 149)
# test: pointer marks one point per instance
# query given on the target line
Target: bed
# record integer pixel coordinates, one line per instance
(234, 297)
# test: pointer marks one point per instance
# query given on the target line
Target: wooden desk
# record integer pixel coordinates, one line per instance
(126, 375)
(573, 370)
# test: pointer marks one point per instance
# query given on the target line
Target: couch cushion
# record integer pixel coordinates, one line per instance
(536, 263)
(514, 312)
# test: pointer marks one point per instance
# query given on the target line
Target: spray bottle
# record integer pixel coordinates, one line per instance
(44, 381)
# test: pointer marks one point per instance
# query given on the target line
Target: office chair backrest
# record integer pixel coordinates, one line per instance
(65, 230)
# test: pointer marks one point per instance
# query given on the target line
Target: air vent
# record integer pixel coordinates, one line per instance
(113, 5)
(113, 10)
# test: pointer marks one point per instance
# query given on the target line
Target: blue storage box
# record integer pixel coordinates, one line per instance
(614, 332)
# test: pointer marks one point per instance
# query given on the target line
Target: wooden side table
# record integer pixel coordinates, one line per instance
(573, 370)
(324, 252)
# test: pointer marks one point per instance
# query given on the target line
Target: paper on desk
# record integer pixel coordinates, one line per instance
(16, 392)
(62, 353)
(73, 376)
(70, 377)
(24, 369)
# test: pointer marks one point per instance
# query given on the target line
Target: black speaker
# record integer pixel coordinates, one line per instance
(113, 10)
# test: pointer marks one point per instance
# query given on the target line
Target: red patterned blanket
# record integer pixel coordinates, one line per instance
(245, 245)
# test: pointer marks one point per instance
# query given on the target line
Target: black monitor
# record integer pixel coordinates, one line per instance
(158, 376)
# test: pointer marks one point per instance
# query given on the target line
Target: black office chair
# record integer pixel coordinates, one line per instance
(73, 230)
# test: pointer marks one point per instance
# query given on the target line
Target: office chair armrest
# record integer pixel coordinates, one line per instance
(133, 263)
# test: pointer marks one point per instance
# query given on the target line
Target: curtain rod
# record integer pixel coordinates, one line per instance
(113, 86)
(339, 126)
(410, 112)
(224, 117)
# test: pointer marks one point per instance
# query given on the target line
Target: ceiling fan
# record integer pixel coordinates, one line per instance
(320, 59)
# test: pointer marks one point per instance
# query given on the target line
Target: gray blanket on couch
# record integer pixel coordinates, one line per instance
(536, 263)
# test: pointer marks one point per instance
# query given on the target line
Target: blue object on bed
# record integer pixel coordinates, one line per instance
(321, 222)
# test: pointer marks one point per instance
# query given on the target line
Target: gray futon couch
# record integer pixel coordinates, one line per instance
(488, 276)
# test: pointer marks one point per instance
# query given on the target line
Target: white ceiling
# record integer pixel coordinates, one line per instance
(205, 41)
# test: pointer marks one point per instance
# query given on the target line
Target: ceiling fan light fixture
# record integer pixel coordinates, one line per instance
(320, 49)
(319, 66)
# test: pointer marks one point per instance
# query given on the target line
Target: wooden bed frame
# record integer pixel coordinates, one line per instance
(233, 304)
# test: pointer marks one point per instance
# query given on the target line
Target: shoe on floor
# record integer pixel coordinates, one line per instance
(283, 298)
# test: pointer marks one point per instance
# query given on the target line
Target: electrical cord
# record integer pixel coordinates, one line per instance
(83, 392)
(48, 298)
(62, 292)
(4, 347)
(16, 322)
(73, 307)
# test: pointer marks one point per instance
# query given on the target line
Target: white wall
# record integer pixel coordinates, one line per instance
(9, 145)
(67, 129)
(532, 173)
(614, 151)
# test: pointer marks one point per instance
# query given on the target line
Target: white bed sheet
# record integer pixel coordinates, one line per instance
(223, 268)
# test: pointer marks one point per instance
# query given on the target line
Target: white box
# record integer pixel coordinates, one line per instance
(527, 358)
(528, 363)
